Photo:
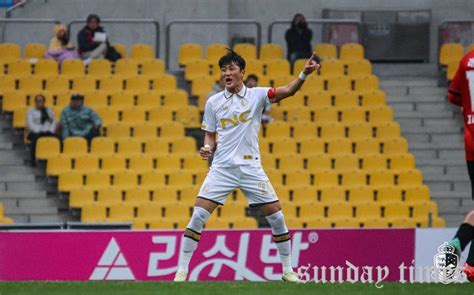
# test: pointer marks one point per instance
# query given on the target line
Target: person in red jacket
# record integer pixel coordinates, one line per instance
(461, 93)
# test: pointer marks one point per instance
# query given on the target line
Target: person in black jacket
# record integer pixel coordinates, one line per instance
(298, 39)
(91, 47)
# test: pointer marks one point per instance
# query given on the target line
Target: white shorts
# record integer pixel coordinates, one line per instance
(252, 181)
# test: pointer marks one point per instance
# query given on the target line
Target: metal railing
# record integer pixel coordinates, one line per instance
(25, 21)
(317, 21)
(207, 22)
(151, 21)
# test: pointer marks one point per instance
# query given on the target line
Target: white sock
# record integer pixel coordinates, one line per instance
(191, 237)
(281, 236)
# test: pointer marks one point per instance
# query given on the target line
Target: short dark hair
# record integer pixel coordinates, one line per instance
(77, 97)
(232, 57)
(92, 17)
(252, 76)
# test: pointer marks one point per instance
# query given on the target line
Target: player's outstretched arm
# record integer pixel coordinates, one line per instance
(283, 92)
(209, 145)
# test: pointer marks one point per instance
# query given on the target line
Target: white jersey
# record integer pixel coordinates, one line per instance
(236, 118)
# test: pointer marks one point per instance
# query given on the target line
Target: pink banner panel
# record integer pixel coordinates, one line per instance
(221, 255)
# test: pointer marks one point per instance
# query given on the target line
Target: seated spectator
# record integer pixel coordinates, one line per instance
(93, 42)
(298, 39)
(59, 47)
(40, 122)
(251, 82)
(79, 120)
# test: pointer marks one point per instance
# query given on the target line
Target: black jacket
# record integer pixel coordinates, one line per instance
(84, 39)
(298, 40)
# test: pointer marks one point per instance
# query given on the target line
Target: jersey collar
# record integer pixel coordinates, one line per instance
(241, 93)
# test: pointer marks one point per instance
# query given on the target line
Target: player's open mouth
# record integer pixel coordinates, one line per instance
(228, 80)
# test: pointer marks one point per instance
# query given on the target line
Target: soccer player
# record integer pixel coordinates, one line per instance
(231, 123)
(464, 235)
(461, 93)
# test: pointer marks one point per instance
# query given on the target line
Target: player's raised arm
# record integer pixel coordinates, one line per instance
(283, 92)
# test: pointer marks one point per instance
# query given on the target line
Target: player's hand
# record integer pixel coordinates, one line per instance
(311, 65)
(205, 152)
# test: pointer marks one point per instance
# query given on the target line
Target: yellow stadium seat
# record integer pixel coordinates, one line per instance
(366, 83)
(108, 116)
(189, 52)
(300, 130)
(325, 178)
(129, 146)
(138, 83)
(298, 66)
(202, 85)
(86, 164)
(338, 210)
(317, 223)
(30, 84)
(373, 98)
(121, 212)
(183, 146)
(388, 130)
(96, 100)
(58, 165)
(311, 211)
(102, 146)
(375, 222)
(149, 101)
(451, 70)
(388, 194)
(34, 50)
(277, 129)
(168, 195)
(74, 146)
(277, 67)
(80, 198)
(217, 223)
(93, 213)
(98, 180)
(367, 147)
(326, 50)
(196, 69)
(215, 51)
(252, 67)
(195, 163)
(346, 99)
(353, 178)
(374, 162)
(160, 115)
(99, 68)
(174, 129)
(380, 114)
(70, 181)
(360, 131)
(290, 161)
(153, 67)
(114, 83)
(14, 100)
(343, 222)
(133, 116)
(7, 83)
(173, 211)
(368, 210)
(177, 98)
(9, 51)
(398, 209)
(145, 131)
(122, 100)
(311, 146)
(126, 68)
(189, 116)
(339, 146)
(451, 52)
(246, 50)
(72, 68)
(125, 180)
(317, 162)
(150, 211)
(346, 162)
(402, 162)
(62, 99)
(395, 146)
(332, 67)
(417, 193)
(142, 163)
(137, 196)
(141, 51)
(331, 195)
(339, 84)
(170, 162)
(109, 196)
(152, 180)
(331, 131)
(360, 67)
(19, 68)
(47, 147)
(46, 68)
(83, 84)
(351, 51)
(360, 195)
(232, 210)
(57, 84)
(122, 49)
(164, 83)
(19, 116)
(113, 163)
(410, 178)
(402, 222)
(271, 51)
(381, 178)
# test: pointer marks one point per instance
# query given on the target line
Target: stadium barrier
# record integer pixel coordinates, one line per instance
(4, 22)
(257, 25)
(150, 21)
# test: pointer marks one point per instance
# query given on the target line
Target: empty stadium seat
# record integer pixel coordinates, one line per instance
(141, 51)
(34, 50)
(189, 52)
(451, 52)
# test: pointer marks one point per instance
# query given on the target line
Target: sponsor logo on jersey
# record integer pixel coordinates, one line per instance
(236, 120)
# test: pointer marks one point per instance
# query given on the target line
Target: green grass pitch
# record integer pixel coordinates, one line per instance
(226, 288)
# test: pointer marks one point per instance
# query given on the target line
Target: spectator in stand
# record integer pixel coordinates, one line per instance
(79, 120)
(40, 122)
(60, 48)
(251, 82)
(93, 42)
(218, 87)
(298, 39)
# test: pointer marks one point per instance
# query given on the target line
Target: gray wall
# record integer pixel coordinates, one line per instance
(165, 11)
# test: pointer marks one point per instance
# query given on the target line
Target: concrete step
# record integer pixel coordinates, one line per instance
(16, 177)
(22, 186)
(436, 145)
(22, 194)
(409, 72)
(430, 175)
(30, 210)
(453, 220)
(409, 82)
(421, 160)
(416, 98)
(443, 195)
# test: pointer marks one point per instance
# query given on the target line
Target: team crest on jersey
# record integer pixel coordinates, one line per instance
(470, 63)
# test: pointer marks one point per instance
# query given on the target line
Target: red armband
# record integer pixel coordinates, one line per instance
(271, 93)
